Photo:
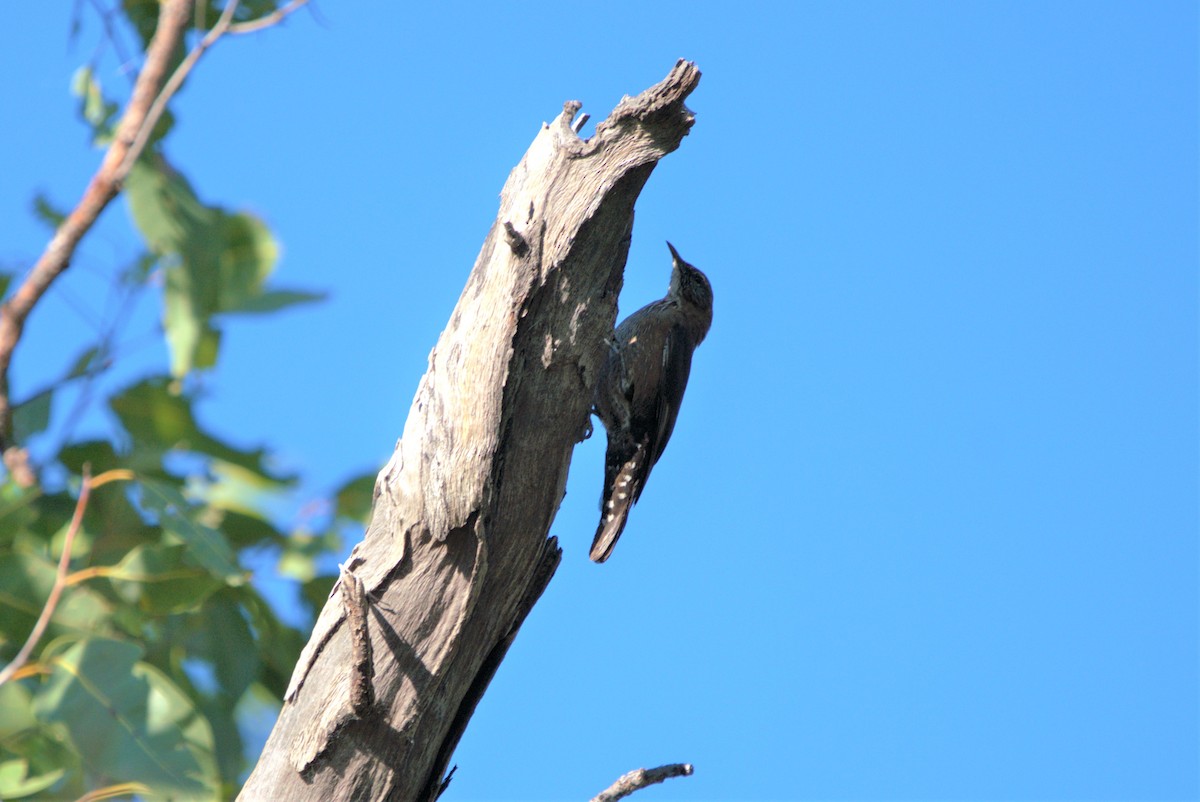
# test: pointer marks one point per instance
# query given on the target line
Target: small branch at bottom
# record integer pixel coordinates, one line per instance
(639, 779)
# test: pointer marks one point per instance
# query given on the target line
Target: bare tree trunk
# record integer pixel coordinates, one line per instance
(457, 551)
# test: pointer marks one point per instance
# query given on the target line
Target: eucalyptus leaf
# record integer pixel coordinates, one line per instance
(16, 511)
(83, 364)
(244, 529)
(97, 111)
(274, 300)
(16, 781)
(206, 545)
(355, 497)
(128, 721)
(215, 261)
(47, 212)
(32, 415)
(25, 582)
(279, 645)
(143, 15)
(16, 710)
(160, 579)
(221, 636)
(160, 421)
(248, 254)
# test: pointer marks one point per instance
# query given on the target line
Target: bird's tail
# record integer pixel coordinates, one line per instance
(622, 487)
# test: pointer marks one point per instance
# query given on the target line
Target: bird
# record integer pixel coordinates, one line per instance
(639, 389)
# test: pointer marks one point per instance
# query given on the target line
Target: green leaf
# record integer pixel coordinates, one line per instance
(206, 545)
(165, 207)
(274, 300)
(223, 639)
(230, 753)
(94, 109)
(155, 418)
(245, 529)
(138, 271)
(162, 127)
(247, 257)
(160, 580)
(32, 415)
(47, 212)
(115, 523)
(176, 224)
(25, 582)
(216, 261)
(143, 15)
(354, 499)
(16, 710)
(83, 364)
(15, 781)
(279, 645)
(159, 421)
(51, 514)
(129, 722)
(5, 280)
(191, 337)
(302, 552)
(99, 454)
(236, 488)
(16, 512)
(315, 592)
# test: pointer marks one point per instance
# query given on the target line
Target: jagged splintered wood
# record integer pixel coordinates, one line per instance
(457, 551)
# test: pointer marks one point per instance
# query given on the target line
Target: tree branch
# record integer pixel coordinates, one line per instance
(172, 23)
(457, 551)
(639, 779)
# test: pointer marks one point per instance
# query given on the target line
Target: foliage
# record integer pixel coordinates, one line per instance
(161, 639)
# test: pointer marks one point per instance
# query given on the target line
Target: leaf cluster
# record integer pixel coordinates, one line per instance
(163, 643)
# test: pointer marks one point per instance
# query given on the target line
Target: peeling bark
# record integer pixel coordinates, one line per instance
(457, 551)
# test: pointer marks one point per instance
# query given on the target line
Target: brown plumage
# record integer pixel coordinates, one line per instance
(640, 388)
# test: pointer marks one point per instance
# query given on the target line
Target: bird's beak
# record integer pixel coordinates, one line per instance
(674, 253)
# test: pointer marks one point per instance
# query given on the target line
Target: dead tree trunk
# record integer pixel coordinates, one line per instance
(457, 551)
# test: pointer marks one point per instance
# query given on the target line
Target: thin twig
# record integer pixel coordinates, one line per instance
(60, 576)
(105, 352)
(111, 32)
(274, 18)
(170, 88)
(172, 22)
(225, 24)
(118, 789)
(639, 779)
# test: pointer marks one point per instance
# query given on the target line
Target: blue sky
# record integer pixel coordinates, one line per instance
(927, 527)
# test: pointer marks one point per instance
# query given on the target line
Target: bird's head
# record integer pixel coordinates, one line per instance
(689, 284)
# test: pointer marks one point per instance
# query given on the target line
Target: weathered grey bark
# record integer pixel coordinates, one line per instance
(457, 550)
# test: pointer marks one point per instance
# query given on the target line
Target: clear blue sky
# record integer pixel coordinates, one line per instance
(927, 528)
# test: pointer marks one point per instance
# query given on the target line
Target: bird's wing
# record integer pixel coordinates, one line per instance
(675, 366)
